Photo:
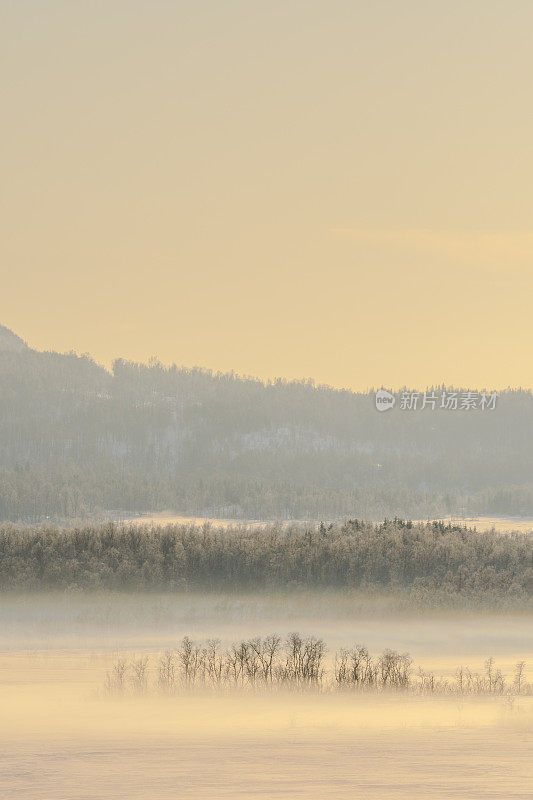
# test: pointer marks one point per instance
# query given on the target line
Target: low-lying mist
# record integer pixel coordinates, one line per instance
(392, 681)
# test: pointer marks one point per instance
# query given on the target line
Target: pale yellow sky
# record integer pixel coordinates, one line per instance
(335, 189)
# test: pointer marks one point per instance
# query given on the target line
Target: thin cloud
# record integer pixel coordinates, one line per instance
(494, 248)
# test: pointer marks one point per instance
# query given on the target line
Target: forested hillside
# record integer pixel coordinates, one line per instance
(76, 439)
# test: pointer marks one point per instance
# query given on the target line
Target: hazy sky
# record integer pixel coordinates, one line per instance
(334, 189)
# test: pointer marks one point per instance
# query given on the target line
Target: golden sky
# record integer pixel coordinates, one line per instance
(334, 189)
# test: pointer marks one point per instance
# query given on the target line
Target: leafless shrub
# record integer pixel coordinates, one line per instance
(167, 672)
(139, 676)
(115, 682)
(302, 665)
(518, 682)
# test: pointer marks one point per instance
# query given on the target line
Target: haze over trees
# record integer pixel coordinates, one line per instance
(77, 440)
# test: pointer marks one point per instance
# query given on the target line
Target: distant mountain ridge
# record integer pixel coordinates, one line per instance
(9, 341)
(77, 440)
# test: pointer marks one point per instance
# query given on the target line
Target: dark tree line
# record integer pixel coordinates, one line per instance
(430, 562)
